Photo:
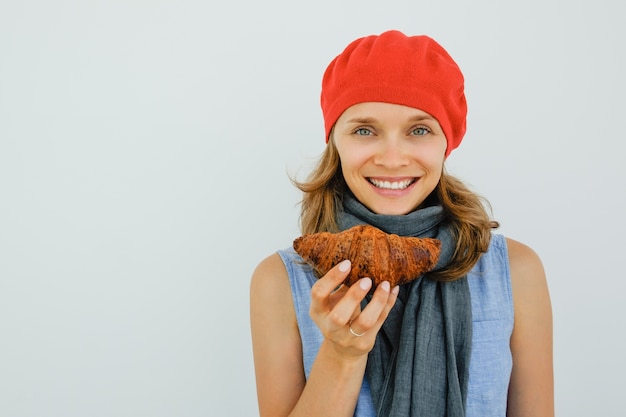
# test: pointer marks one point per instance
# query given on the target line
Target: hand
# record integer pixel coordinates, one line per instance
(336, 309)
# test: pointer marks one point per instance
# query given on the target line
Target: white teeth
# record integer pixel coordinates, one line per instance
(397, 185)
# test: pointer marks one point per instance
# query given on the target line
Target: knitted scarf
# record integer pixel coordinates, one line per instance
(419, 365)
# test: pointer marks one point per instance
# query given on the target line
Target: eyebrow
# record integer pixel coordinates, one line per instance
(421, 117)
(364, 120)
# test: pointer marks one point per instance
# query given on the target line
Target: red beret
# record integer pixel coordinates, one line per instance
(414, 71)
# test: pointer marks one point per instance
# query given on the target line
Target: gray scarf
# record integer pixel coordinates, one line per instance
(419, 365)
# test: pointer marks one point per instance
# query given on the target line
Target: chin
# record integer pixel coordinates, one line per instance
(392, 210)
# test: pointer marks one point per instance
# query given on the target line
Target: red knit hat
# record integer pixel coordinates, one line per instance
(414, 71)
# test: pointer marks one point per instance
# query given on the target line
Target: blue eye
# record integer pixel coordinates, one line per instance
(420, 131)
(362, 131)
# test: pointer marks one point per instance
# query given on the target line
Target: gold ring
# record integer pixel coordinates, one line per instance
(353, 332)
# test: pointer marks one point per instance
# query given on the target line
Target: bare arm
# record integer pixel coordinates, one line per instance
(337, 373)
(531, 391)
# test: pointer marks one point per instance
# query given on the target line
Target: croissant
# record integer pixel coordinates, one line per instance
(375, 254)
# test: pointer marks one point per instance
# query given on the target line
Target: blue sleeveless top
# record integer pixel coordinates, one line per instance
(492, 314)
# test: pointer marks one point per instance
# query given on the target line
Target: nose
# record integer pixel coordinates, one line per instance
(391, 153)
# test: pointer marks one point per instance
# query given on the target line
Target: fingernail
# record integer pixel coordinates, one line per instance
(395, 290)
(365, 283)
(385, 285)
(344, 265)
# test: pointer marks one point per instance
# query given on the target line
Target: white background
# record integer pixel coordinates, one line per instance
(145, 149)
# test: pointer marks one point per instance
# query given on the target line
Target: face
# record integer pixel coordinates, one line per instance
(391, 155)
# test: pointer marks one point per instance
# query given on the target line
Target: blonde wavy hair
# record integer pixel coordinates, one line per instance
(467, 213)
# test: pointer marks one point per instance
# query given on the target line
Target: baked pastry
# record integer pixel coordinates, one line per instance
(375, 254)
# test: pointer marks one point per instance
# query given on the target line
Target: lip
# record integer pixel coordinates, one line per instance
(391, 192)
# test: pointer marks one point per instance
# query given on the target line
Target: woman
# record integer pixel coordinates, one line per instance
(472, 337)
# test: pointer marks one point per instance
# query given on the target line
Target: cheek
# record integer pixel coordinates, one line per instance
(437, 153)
(437, 162)
(351, 158)
(431, 158)
(349, 169)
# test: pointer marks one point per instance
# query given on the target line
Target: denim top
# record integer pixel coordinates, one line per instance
(492, 315)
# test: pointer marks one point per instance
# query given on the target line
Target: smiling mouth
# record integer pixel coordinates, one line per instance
(392, 185)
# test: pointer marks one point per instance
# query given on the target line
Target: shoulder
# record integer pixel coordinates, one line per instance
(271, 265)
(524, 261)
(272, 315)
(270, 279)
(528, 278)
(270, 293)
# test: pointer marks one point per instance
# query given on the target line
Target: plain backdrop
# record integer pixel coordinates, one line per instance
(145, 155)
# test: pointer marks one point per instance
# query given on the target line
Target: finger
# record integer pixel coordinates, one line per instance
(391, 301)
(376, 311)
(336, 295)
(356, 312)
(329, 284)
(345, 308)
